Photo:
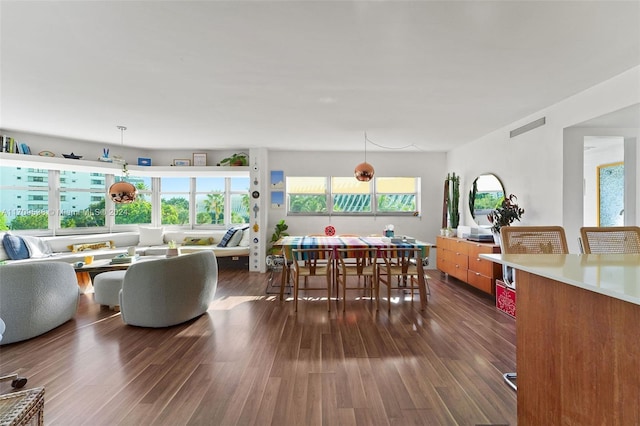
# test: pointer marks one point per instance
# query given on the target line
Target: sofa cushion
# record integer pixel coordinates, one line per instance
(197, 241)
(92, 246)
(37, 246)
(245, 241)
(231, 238)
(15, 247)
(151, 236)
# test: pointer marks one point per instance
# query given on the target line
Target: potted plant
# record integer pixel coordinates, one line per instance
(504, 215)
(279, 232)
(237, 159)
(453, 199)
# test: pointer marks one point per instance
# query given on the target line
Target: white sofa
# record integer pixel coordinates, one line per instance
(236, 256)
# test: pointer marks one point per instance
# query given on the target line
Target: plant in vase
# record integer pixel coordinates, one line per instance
(173, 249)
(453, 200)
(504, 215)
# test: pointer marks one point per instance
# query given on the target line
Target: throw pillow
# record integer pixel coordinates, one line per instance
(245, 241)
(235, 240)
(3, 253)
(37, 246)
(15, 247)
(227, 238)
(151, 236)
(197, 241)
(92, 246)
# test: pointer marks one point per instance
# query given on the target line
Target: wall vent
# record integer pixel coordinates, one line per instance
(534, 124)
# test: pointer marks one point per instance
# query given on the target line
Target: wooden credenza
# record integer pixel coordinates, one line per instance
(460, 258)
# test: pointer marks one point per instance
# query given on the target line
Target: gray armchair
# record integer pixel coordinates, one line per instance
(36, 297)
(165, 292)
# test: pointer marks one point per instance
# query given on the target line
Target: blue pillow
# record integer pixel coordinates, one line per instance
(228, 236)
(15, 247)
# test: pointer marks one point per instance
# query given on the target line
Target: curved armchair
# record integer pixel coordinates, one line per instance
(36, 297)
(165, 292)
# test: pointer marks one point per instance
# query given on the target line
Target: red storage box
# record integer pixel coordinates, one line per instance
(505, 298)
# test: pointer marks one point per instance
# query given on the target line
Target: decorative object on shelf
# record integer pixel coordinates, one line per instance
(453, 200)
(123, 192)
(364, 171)
(199, 158)
(142, 161)
(105, 156)
(329, 230)
(504, 215)
(181, 162)
(279, 232)
(237, 159)
(46, 154)
(388, 231)
(72, 156)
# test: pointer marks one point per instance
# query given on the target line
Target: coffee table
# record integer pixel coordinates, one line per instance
(83, 273)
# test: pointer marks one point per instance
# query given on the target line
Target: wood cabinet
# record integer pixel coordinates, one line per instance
(460, 258)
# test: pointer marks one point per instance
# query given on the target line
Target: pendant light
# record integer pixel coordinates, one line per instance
(364, 171)
(123, 192)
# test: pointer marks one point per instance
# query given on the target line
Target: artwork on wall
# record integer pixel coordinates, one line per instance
(181, 162)
(199, 158)
(277, 199)
(277, 179)
(610, 178)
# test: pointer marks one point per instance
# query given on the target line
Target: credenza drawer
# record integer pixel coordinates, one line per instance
(484, 267)
(479, 281)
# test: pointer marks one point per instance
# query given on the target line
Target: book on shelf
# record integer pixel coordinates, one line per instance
(124, 259)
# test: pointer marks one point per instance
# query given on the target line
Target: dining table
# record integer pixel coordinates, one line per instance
(287, 244)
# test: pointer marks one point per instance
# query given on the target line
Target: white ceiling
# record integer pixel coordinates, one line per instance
(301, 74)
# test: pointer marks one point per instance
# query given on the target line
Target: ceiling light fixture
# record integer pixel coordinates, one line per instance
(364, 171)
(123, 192)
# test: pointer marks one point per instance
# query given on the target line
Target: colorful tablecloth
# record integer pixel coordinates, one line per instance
(355, 243)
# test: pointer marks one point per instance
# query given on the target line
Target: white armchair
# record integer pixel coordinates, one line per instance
(166, 292)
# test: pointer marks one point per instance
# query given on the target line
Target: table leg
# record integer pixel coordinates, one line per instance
(84, 281)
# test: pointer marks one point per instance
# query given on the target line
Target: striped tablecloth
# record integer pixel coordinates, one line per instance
(355, 243)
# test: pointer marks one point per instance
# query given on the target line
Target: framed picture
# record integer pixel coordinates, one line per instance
(144, 161)
(181, 162)
(199, 158)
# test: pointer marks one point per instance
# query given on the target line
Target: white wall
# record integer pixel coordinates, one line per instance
(538, 166)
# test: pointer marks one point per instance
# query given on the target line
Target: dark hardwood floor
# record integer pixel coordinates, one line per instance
(252, 360)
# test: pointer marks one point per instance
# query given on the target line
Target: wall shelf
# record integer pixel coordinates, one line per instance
(61, 163)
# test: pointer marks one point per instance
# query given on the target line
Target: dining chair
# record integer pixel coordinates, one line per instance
(360, 263)
(530, 240)
(610, 239)
(309, 263)
(405, 265)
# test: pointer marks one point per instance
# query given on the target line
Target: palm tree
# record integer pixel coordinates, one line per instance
(214, 205)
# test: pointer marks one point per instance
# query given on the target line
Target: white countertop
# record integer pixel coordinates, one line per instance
(614, 275)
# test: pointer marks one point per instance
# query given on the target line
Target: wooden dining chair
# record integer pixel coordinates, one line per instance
(530, 240)
(401, 266)
(610, 239)
(360, 263)
(309, 263)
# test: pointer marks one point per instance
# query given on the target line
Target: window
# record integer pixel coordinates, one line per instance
(210, 200)
(307, 195)
(397, 194)
(81, 205)
(348, 196)
(174, 200)
(57, 200)
(138, 212)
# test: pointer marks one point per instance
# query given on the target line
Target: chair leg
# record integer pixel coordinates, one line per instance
(295, 293)
(510, 378)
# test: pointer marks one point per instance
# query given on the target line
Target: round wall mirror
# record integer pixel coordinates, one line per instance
(485, 195)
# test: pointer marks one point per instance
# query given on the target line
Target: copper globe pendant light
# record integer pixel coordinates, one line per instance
(123, 192)
(364, 171)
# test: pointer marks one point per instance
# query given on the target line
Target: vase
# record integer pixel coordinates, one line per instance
(172, 252)
(496, 237)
